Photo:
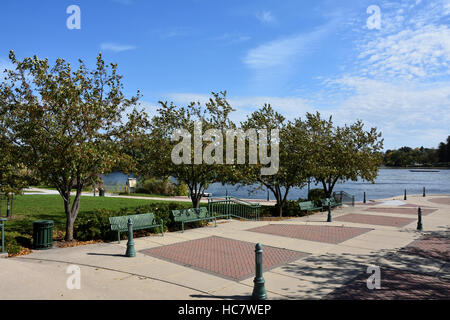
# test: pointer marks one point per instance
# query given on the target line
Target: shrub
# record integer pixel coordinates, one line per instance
(315, 195)
(153, 185)
(94, 225)
(291, 209)
(15, 242)
(181, 189)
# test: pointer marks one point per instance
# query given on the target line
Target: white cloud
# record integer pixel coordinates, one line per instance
(284, 51)
(407, 114)
(175, 32)
(265, 17)
(398, 78)
(110, 46)
(424, 52)
(232, 38)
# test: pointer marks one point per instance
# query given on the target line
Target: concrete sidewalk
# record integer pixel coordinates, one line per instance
(324, 268)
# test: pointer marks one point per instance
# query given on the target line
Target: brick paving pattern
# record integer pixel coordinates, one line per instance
(228, 258)
(436, 247)
(375, 220)
(440, 200)
(401, 210)
(395, 284)
(367, 204)
(328, 234)
(415, 206)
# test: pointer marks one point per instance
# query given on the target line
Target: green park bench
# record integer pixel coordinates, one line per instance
(308, 206)
(140, 221)
(192, 215)
(332, 201)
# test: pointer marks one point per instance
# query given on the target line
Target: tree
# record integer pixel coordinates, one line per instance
(14, 176)
(444, 151)
(293, 154)
(157, 142)
(65, 122)
(342, 153)
(448, 149)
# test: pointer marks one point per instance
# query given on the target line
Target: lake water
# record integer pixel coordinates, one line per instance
(389, 183)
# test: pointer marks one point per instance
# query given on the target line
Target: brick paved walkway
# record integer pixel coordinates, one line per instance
(225, 257)
(430, 247)
(328, 234)
(395, 284)
(401, 210)
(366, 204)
(440, 200)
(375, 220)
(410, 205)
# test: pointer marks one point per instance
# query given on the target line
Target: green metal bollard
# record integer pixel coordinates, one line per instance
(424, 191)
(404, 198)
(259, 290)
(419, 220)
(329, 218)
(130, 244)
(364, 201)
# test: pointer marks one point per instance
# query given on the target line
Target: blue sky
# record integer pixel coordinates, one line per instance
(297, 55)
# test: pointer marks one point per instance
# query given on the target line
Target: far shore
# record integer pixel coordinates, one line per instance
(412, 168)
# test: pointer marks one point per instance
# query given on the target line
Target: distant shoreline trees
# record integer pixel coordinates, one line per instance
(415, 157)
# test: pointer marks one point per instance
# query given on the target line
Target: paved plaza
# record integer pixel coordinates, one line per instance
(232, 259)
(303, 258)
(375, 220)
(327, 234)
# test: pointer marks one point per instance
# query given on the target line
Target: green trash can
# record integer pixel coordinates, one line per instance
(43, 234)
(101, 192)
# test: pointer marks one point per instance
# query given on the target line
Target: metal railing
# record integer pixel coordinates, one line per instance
(231, 207)
(344, 197)
(2, 226)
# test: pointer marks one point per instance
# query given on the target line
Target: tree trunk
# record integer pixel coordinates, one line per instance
(195, 201)
(69, 228)
(281, 200)
(280, 209)
(69, 220)
(325, 189)
(71, 213)
(331, 185)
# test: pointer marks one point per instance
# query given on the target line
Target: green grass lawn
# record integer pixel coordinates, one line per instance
(28, 208)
